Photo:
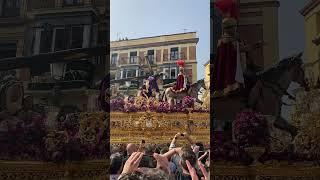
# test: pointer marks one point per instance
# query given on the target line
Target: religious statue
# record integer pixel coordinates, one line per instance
(181, 83)
(228, 72)
(233, 67)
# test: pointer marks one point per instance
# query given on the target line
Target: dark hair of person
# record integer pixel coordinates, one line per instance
(116, 164)
(164, 150)
(149, 150)
(189, 155)
(148, 161)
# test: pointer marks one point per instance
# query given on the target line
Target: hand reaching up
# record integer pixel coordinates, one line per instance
(132, 163)
(203, 170)
(192, 171)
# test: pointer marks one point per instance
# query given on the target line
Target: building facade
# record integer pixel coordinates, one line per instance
(137, 57)
(311, 13)
(31, 28)
(259, 22)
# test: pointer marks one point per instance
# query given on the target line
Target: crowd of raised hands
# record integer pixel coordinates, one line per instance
(189, 162)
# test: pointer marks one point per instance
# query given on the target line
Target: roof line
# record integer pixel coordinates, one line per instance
(307, 8)
(156, 36)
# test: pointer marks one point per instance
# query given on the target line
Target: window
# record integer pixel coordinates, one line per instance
(174, 53)
(151, 56)
(166, 72)
(77, 37)
(131, 73)
(60, 43)
(72, 2)
(114, 58)
(133, 57)
(173, 73)
(45, 41)
(170, 73)
(11, 8)
(69, 37)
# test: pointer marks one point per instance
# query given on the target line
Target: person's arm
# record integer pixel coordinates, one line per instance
(189, 139)
(172, 152)
(173, 142)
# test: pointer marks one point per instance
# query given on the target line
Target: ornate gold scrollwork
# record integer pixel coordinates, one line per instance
(158, 127)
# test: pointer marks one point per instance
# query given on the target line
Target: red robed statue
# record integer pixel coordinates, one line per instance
(228, 73)
(181, 83)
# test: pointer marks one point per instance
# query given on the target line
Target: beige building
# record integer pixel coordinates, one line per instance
(134, 57)
(311, 13)
(207, 74)
(259, 22)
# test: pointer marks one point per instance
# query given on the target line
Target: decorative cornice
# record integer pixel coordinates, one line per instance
(156, 44)
(309, 7)
(259, 4)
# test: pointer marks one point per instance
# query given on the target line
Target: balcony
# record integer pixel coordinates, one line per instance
(130, 61)
(53, 4)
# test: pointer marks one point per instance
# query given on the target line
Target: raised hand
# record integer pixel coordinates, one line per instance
(132, 163)
(177, 135)
(192, 171)
(203, 170)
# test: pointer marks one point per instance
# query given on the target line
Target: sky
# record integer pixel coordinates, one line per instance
(145, 18)
(291, 28)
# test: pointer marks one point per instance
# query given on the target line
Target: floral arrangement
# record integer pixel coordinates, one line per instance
(188, 102)
(78, 137)
(140, 104)
(163, 107)
(251, 129)
(117, 104)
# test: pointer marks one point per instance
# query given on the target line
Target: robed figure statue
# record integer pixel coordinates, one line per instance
(181, 83)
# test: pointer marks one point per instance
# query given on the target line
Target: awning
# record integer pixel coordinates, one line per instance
(52, 57)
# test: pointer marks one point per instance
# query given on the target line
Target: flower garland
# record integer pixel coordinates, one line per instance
(251, 129)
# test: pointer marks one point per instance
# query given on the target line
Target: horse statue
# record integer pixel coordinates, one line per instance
(272, 85)
(171, 96)
(266, 92)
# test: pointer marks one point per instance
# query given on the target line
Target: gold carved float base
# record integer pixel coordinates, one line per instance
(158, 127)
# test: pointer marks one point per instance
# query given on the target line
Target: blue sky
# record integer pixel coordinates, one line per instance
(144, 18)
(291, 28)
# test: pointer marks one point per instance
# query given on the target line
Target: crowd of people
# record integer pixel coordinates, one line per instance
(147, 161)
